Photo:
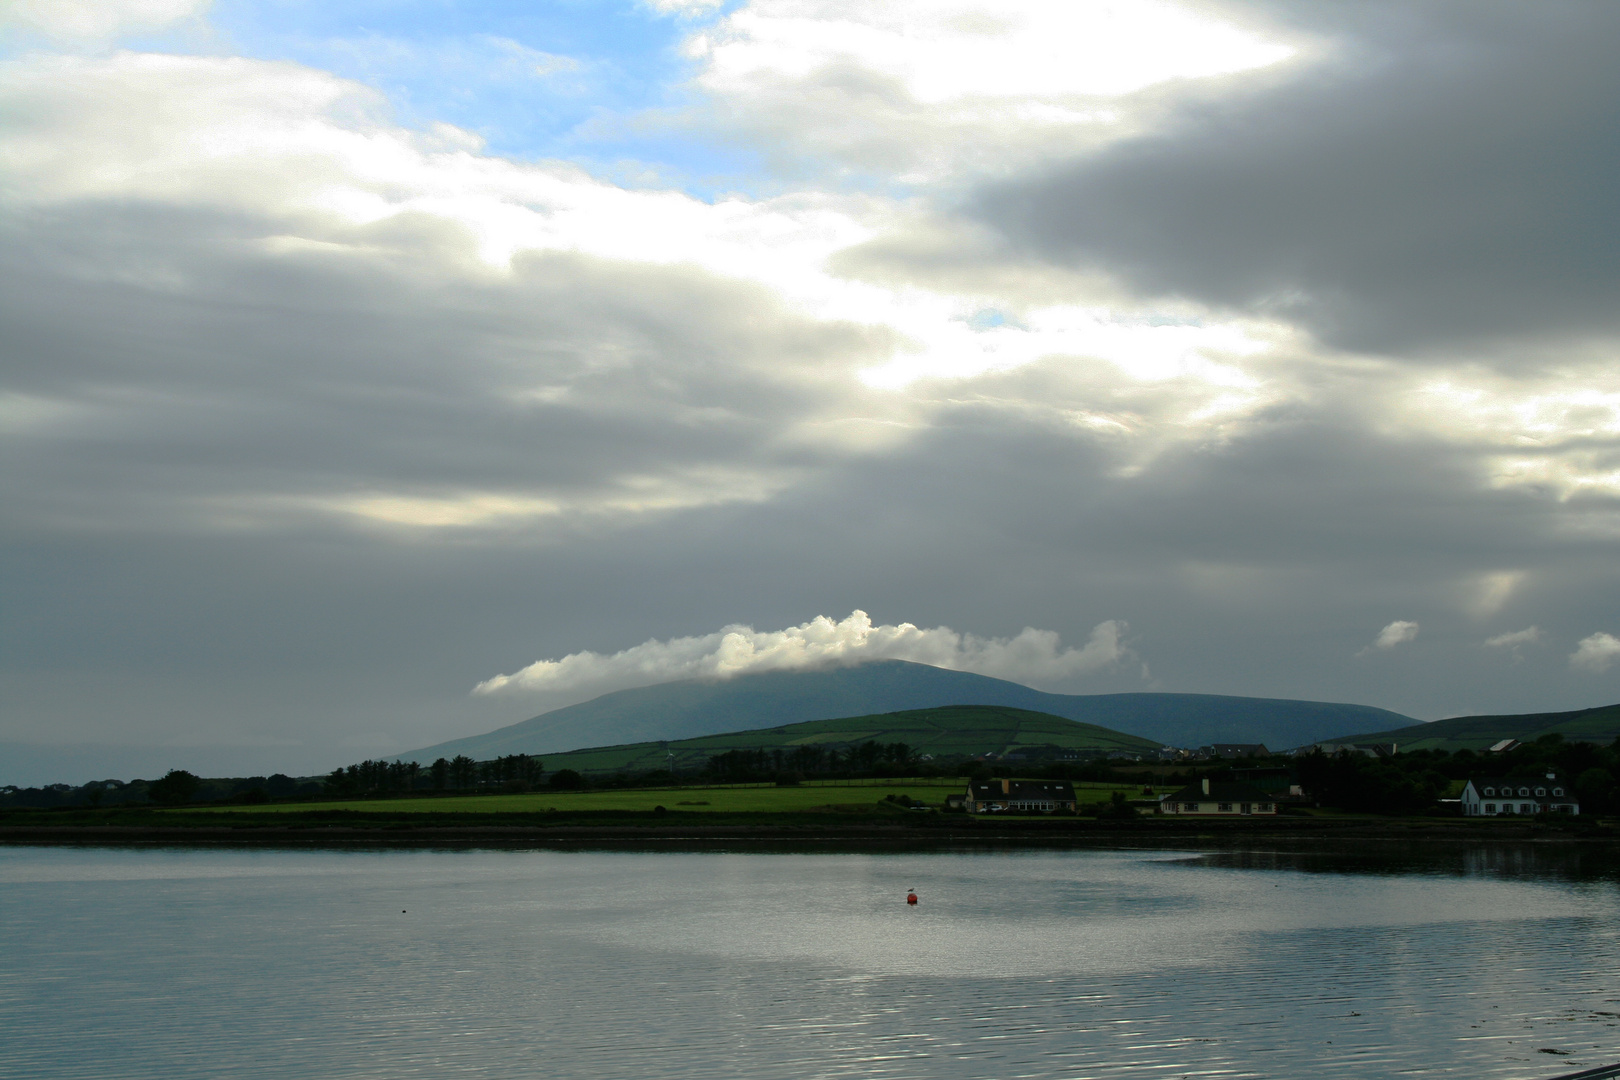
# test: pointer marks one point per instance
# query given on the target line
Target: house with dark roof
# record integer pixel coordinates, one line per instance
(1030, 796)
(1545, 793)
(1219, 798)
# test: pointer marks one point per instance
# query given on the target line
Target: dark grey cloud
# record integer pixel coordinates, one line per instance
(181, 373)
(1441, 178)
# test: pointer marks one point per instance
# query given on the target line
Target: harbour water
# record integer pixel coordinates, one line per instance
(179, 963)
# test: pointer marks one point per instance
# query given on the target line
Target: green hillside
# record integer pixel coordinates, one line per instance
(1599, 725)
(764, 699)
(954, 731)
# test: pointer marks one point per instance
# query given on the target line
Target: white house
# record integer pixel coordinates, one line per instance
(1548, 794)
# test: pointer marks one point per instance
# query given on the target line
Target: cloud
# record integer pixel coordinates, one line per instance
(686, 8)
(97, 19)
(1514, 639)
(1396, 633)
(920, 91)
(1595, 653)
(1436, 180)
(1032, 656)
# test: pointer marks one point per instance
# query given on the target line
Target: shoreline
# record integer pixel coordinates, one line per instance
(647, 830)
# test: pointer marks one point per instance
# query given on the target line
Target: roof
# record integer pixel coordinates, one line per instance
(1059, 790)
(1222, 791)
(1531, 782)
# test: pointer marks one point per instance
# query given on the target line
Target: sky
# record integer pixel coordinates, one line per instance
(379, 372)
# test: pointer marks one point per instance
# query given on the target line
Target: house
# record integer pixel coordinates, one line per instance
(1372, 750)
(999, 796)
(1219, 798)
(1234, 750)
(1530, 794)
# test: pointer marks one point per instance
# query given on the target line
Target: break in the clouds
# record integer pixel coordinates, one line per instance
(349, 354)
(1034, 657)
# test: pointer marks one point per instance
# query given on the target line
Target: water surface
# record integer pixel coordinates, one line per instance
(213, 963)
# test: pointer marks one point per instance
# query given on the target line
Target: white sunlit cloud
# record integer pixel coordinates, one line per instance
(1396, 633)
(951, 49)
(928, 90)
(1512, 640)
(1548, 432)
(1032, 656)
(1595, 653)
(96, 19)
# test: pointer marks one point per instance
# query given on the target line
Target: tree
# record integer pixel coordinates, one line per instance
(1596, 790)
(176, 787)
(567, 780)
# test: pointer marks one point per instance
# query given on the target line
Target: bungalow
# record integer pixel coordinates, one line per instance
(1045, 796)
(1219, 798)
(1547, 794)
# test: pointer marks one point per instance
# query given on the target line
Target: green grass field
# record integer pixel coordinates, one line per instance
(732, 800)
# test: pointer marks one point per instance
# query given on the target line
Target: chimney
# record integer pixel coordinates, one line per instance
(1206, 785)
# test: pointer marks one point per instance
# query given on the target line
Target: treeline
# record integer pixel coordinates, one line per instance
(1414, 782)
(804, 762)
(176, 786)
(512, 772)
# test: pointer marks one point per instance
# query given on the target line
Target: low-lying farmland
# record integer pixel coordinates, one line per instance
(732, 799)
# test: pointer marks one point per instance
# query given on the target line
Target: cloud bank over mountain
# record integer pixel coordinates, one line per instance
(1032, 657)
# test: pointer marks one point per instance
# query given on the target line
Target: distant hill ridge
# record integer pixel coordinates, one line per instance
(1600, 724)
(953, 730)
(690, 709)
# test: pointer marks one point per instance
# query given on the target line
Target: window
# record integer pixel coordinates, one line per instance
(1507, 808)
(1558, 792)
(1264, 808)
(1226, 806)
(1190, 807)
(1490, 808)
(1490, 791)
(1524, 808)
(1541, 793)
(1524, 791)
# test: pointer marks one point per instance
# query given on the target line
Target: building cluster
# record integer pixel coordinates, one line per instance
(1259, 792)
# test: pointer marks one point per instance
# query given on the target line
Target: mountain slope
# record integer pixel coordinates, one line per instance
(684, 710)
(952, 730)
(1601, 725)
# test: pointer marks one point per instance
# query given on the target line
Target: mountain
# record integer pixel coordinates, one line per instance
(952, 730)
(686, 710)
(1599, 725)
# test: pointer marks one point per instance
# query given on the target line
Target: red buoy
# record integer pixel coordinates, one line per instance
(911, 898)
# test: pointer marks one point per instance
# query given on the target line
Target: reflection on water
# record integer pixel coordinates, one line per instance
(179, 963)
(1569, 862)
